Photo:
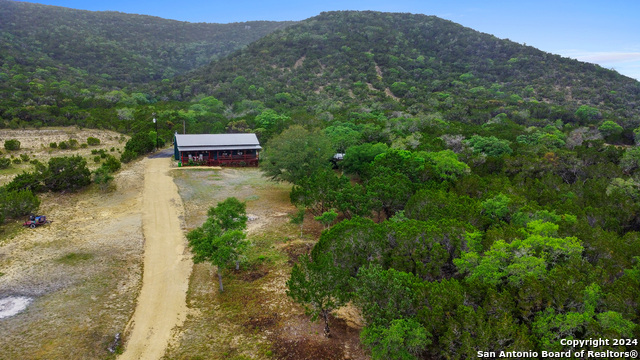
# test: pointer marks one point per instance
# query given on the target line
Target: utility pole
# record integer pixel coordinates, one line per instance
(155, 122)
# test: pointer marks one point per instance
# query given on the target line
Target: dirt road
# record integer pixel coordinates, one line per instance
(167, 266)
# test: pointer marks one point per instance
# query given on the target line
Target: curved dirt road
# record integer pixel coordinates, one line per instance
(162, 302)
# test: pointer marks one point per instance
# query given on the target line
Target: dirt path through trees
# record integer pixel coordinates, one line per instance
(167, 266)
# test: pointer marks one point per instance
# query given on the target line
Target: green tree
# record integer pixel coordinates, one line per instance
(446, 165)
(357, 158)
(296, 154)
(342, 137)
(269, 122)
(297, 217)
(327, 218)
(386, 295)
(139, 144)
(389, 191)
(490, 146)
(630, 159)
(510, 263)
(221, 239)
(497, 208)
(587, 113)
(402, 339)
(318, 285)
(610, 129)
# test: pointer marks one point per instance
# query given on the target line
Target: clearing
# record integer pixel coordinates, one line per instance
(253, 318)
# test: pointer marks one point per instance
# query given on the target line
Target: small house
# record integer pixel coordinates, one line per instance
(217, 149)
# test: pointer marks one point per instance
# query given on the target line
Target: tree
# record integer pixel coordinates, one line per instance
(220, 240)
(327, 218)
(269, 122)
(342, 137)
(297, 217)
(389, 191)
(447, 166)
(402, 339)
(497, 208)
(139, 144)
(630, 159)
(296, 154)
(490, 146)
(317, 285)
(510, 263)
(610, 129)
(587, 113)
(386, 295)
(357, 159)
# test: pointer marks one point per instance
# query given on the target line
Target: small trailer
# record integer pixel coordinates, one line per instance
(36, 220)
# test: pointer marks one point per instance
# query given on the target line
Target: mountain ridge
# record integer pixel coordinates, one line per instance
(397, 47)
(119, 46)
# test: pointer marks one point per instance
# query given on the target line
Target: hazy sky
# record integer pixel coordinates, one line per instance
(598, 31)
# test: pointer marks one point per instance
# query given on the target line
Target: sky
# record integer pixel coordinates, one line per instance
(597, 31)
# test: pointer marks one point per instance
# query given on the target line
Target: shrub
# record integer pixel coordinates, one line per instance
(24, 157)
(67, 173)
(53, 145)
(14, 204)
(96, 159)
(17, 161)
(112, 164)
(5, 163)
(25, 181)
(92, 141)
(12, 144)
(63, 145)
(128, 156)
(102, 177)
(73, 143)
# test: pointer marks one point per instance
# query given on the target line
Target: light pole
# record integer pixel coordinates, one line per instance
(155, 122)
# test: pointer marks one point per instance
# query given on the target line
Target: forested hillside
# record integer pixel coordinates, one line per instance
(340, 59)
(124, 48)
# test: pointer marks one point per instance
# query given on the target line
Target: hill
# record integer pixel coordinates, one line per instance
(422, 63)
(117, 48)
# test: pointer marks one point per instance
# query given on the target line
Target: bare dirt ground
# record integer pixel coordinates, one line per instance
(167, 266)
(83, 271)
(253, 318)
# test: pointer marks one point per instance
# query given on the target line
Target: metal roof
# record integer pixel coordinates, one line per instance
(202, 142)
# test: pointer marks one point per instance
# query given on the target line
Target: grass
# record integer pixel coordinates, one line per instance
(74, 258)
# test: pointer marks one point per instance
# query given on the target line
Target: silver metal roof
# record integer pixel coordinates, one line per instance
(202, 142)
